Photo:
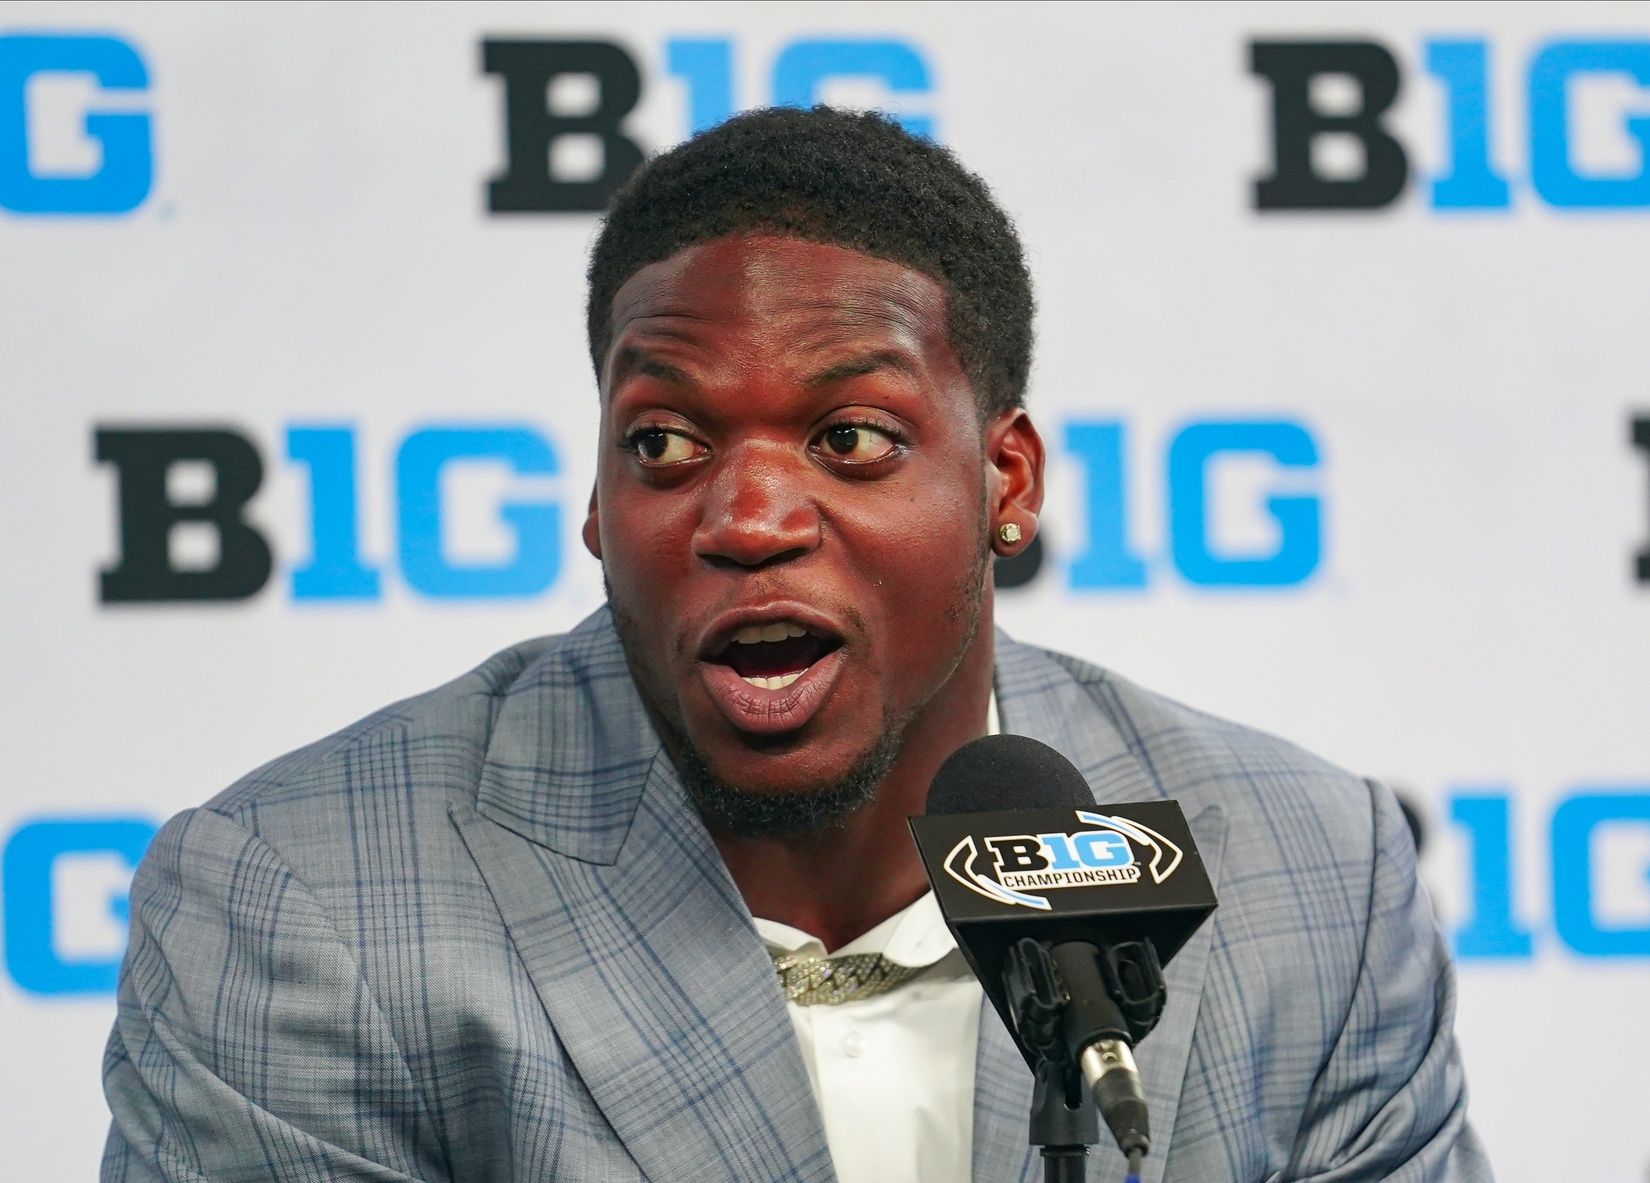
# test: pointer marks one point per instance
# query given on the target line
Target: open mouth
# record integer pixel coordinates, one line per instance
(772, 655)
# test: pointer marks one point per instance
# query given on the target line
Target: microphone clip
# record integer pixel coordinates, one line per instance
(1064, 997)
(1077, 1008)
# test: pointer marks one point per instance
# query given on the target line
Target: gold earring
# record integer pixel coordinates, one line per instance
(1009, 532)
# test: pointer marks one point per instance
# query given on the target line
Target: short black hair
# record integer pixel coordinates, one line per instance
(850, 179)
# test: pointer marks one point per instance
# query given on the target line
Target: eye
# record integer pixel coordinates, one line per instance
(657, 447)
(856, 443)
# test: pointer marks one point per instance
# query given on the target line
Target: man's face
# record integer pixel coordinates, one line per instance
(791, 504)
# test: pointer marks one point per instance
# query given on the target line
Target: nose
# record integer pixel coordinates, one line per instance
(757, 509)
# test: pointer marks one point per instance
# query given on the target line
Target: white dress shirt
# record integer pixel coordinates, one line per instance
(894, 1075)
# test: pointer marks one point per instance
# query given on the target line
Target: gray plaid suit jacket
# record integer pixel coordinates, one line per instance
(482, 935)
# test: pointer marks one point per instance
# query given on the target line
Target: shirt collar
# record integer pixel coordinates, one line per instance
(915, 936)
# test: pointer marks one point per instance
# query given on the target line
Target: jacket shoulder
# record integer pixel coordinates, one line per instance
(441, 735)
(1257, 779)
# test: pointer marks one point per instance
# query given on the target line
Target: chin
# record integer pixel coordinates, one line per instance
(757, 795)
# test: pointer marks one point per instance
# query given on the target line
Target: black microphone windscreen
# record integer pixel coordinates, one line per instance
(1007, 772)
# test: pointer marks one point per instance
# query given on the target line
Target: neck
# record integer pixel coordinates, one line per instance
(842, 882)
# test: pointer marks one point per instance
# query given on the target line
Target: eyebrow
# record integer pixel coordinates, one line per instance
(858, 367)
(634, 360)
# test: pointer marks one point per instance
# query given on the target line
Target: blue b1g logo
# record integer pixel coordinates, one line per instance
(1194, 458)
(123, 172)
(64, 882)
(1580, 834)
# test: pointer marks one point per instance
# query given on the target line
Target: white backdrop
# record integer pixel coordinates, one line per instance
(1396, 440)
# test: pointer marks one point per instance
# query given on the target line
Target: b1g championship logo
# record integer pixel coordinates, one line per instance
(1106, 852)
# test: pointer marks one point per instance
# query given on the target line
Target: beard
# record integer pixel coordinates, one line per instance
(745, 812)
(749, 811)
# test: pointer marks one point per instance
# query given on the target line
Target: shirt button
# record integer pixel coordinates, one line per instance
(853, 1043)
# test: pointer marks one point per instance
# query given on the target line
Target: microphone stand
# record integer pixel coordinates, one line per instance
(1062, 1126)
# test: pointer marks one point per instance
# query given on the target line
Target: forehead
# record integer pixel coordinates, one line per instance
(808, 295)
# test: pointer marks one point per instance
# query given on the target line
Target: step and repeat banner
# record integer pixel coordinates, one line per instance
(1344, 367)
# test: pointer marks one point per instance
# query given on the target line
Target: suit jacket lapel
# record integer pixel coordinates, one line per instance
(1038, 696)
(1002, 1107)
(613, 893)
(1163, 1055)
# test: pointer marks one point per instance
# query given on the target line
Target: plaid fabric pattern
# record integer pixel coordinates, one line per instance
(481, 935)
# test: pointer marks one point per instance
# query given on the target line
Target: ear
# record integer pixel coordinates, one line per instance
(1014, 478)
(592, 527)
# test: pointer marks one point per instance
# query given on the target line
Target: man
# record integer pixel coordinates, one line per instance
(561, 919)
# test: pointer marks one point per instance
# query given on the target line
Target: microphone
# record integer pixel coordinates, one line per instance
(1066, 915)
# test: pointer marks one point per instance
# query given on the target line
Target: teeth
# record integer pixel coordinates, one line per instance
(779, 630)
(779, 682)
